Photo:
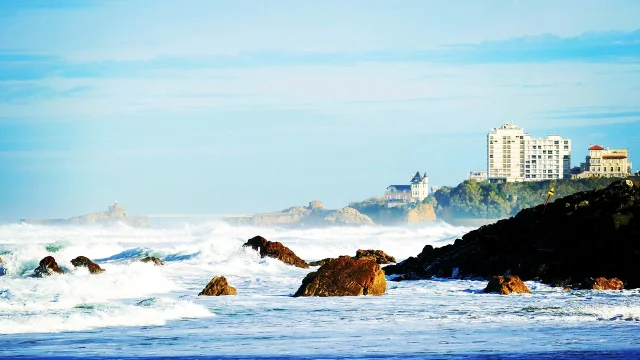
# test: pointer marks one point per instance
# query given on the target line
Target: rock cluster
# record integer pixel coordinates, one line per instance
(344, 276)
(83, 261)
(602, 284)
(505, 285)
(378, 256)
(47, 266)
(584, 235)
(275, 250)
(153, 259)
(218, 286)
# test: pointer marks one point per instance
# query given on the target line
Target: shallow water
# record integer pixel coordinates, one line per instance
(141, 310)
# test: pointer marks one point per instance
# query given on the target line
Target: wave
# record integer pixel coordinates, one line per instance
(155, 311)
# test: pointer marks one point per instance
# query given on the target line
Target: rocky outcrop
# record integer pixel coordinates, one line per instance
(316, 205)
(314, 215)
(602, 284)
(422, 213)
(347, 216)
(344, 276)
(218, 286)
(320, 262)
(83, 261)
(505, 285)
(47, 266)
(587, 234)
(153, 259)
(275, 250)
(379, 256)
(2, 271)
(115, 213)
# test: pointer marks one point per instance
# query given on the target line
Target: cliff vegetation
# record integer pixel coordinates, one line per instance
(472, 199)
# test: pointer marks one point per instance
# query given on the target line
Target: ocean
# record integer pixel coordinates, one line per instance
(135, 310)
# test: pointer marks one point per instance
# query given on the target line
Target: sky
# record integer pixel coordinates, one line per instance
(236, 107)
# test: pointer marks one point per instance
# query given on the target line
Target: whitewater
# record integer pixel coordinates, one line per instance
(138, 310)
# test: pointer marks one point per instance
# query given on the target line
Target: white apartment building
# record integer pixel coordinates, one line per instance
(512, 155)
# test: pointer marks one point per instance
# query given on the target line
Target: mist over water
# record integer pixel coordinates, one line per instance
(132, 303)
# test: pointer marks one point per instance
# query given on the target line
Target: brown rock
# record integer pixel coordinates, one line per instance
(378, 256)
(320, 262)
(275, 250)
(83, 261)
(602, 284)
(153, 259)
(344, 276)
(506, 285)
(47, 266)
(218, 286)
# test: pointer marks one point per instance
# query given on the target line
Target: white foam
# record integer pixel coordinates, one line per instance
(157, 314)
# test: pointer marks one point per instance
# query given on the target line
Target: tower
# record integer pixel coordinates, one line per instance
(419, 186)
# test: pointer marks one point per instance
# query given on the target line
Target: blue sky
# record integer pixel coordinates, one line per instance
(246, 106)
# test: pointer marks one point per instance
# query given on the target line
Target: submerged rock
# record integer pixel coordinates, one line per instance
(218, 286)
(153, 259)
(505, 285)
(378, 256)
(275, 250)
(83, 261)
(344, 276)
(47, 266)
(587, 234)
(602, 284)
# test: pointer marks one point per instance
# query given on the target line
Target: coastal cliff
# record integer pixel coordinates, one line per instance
(315, 214)
(586, 235)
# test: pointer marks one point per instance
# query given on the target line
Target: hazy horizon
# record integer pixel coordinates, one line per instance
(232, 107)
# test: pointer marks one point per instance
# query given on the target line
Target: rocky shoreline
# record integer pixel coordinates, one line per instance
(577, 239)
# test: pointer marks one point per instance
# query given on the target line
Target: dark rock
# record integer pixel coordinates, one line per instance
(584, 235)
(344, 276)
(47, 266)
(602, 284)
(505, 285)
(378, 256)
(218, 286)
(2, 271)
(153, 259)
(275, 250)
(83, 261)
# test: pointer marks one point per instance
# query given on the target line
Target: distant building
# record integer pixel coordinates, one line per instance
(479, 176)
(398, 193)
(512, 155)
(603, 162)
(434, 189)
(417, 190)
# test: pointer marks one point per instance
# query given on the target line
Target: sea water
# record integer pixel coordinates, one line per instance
(138, 310)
